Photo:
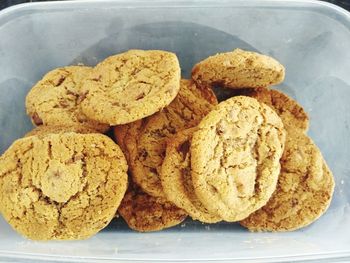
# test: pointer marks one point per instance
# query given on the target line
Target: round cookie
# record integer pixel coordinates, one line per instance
(238, 69)
(130, 86)
(176, 178)
(235, 157)
(292, 114)
(145, 140)
(62, 186)
(304, 189)
(41, 131)
(55, 99)
(145, 213)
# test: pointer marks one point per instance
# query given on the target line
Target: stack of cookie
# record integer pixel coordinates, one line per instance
(178, 152)
(302, 190)
(246, 159)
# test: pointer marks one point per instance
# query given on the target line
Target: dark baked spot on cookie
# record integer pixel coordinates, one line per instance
(220, 129)
(184, 148)
(186, 171)
(82, 96)
(153, 170)
(172, 130)
(158, 133)
(249, 62)
(143, 154)
(294, 202)
(56, 174)
(135, 71)
(60, 81)
(98, 78)
(78, 157)
(70, 92)
(37, 120)
(64, 104)
(140, 96)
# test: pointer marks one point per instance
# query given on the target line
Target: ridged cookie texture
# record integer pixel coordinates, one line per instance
(130, 86)
(145, 213)
(238, 69)
(61, 186)
(290, 111)
(144, 142)
(304, 190)
(235, 156)
(56, 98)
(177, 180)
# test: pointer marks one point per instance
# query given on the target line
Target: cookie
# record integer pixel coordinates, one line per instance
(55, 99)
(126, 137)
(145, 213)
(62, 186)
(145, 140)
(177, 181)
(290, 111)
(130, 86)
(304, 190)
(235, 157)
(45, 130)
(238, 69)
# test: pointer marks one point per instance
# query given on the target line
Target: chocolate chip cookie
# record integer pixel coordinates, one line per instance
(130, 86)
(177, 180)
(235, 157)
(238, 69)
(145, 141)
(55, 99)
(61, 186)
(145, 213)
(304, 189)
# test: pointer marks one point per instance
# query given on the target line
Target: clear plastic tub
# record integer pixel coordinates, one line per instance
(311, 39)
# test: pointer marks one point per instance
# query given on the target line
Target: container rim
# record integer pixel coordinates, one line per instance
(325, 257)
(22, 9)
(172, 4)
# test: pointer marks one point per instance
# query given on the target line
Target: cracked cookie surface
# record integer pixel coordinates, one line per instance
(304, 189)
(130, 86)
(42, 131)
(61, 186)
(177, 181)
(144, 142)
(290, 111)
(56, 98)
(235, 157)
(238, 69)
(145, 213)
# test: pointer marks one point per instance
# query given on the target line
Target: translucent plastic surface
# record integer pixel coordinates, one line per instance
(311, 39)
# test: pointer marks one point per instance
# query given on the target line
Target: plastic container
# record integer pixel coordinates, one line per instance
(311, 39)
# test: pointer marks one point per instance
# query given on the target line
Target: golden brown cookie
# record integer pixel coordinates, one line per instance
(61, 186)
(177, 181)
(145, 140)
(55, 100)
(304, 189)
(290, 111)
(235, 157)
(45, 130)
(130, 86)
(145, 213)
(238, 69)
(126, 137)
